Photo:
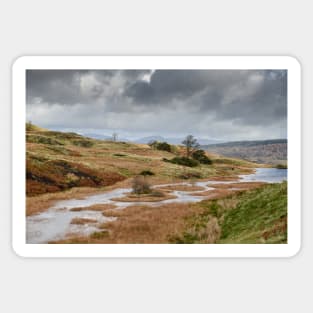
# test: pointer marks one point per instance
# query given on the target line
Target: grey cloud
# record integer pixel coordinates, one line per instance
(251, 96)
(219, 103)
(67, 86)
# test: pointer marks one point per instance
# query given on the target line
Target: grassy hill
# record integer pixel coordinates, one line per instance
(255, 216)
(263, 151)
(57, 161)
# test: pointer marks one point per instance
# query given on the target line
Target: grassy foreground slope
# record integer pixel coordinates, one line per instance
(255, 216)
(57, 161)
(260, 216)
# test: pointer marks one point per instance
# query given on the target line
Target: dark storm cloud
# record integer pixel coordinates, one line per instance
(253, 96)
(55, 86)
(166, 85)
(221, 103)
(67, 86)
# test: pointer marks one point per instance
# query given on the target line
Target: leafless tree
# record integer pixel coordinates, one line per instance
(114, 136)
(191, 144)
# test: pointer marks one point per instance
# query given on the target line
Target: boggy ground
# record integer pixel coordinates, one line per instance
(215, 220)
(154, 196)
(62, 166)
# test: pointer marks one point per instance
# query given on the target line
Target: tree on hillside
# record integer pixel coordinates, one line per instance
(191, 144)
(114, 137)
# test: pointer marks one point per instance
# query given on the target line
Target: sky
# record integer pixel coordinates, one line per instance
(213, 104)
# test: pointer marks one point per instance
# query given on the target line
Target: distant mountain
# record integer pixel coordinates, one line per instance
(272, 151)
(102, 137)
(248, 143)
(148, 139)
(209, 141)
(97, 136)
(174, 140)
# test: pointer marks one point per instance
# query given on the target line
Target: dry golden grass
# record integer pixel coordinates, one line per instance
(143, 224)
(214, 194)
(112, 213)
(82, 221)
(224, 178)
(243, 186)
(105, 159)
(208, 234)
(153, 225)
(144, 197)
(181, 188)
(96, 207)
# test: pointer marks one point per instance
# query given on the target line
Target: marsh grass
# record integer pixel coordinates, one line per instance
(82, 221)
(96, 207)
(253, 216)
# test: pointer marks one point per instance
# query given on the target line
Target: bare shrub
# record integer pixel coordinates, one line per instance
(140, 186)
(211, 232)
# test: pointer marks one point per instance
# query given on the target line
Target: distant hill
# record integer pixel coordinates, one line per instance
(174, 140)
(57, 161)
(148, 139)
(272, 151)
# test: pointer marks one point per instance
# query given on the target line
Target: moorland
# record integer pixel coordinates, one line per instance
(62, 166)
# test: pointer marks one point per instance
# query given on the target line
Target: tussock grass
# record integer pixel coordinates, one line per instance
(181, 188)
(96, 207)
(243, 185)
(154, 196)
(82, 221)
(254, 216)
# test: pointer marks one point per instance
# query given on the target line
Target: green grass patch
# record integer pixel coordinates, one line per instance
(259, 217)
(249, 217)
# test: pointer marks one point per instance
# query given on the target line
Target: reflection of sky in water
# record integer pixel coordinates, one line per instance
(269, 175)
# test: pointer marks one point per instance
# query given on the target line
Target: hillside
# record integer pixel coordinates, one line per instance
(264, 151)
(255, 216)
(260, 216)
(68, 166)
(57, 161)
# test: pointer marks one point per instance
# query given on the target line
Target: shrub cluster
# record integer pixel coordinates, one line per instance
(183, 161)
(146, 173)
(163, 146)
(201, 157)
(281, 166)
